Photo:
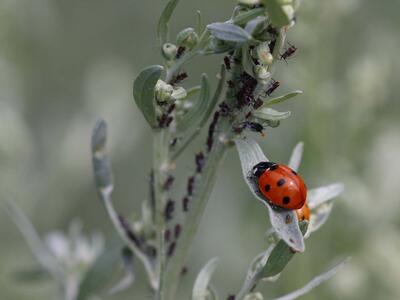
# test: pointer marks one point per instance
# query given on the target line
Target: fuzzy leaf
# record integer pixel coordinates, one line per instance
(279, 257)
(162, 30)
(284, 97)
(143, 92)
(200, 107)
(200, 289)
(247, 62)
(101, 163)
(129, 278)
(319, 216)
(270, 114)
(295, 158)
(283, 221)
(192, 92)
(313, 283)
(255, 26)
(257, 265)
(318, 196)
(279, 17)
(242, 18)
(100, 272)
(229, 32)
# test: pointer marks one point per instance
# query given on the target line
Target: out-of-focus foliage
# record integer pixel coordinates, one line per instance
(63, 64)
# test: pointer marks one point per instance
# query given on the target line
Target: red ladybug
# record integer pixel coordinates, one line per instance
(282, 186)
(304, 213)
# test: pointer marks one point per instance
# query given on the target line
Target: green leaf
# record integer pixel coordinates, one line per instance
(101, 271)
(269, 114)
(163, 22)
(313, 283)
(143, 92)
(282, 98)
(229, 32)
(247, 62)
(201, 285)
(242, 18)
(279, 17)
(280, 257)
(196, 113)
(192, 92)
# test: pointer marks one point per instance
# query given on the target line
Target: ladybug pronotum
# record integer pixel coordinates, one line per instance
(280, 185)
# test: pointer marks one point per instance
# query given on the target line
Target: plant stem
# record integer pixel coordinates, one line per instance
(204, 186)
(161, 165)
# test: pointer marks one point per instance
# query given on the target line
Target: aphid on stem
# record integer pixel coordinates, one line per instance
(289, 52)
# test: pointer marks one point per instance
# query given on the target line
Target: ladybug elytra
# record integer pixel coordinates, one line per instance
(281, 185)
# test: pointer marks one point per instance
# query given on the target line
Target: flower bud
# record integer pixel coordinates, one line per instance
(262, 73)
(264, 55)
(179, 93)
(254, 296)
(187, 38)
(169, 51)
(163, 91)
(289, 11)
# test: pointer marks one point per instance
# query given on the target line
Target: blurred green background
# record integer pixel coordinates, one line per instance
(63, 64)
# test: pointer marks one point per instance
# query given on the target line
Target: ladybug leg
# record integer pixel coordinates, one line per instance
(260, 168)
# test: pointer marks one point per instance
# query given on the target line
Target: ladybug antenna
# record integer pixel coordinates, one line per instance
(259, 168)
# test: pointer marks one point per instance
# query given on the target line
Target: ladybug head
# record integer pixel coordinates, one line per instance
(260, 168)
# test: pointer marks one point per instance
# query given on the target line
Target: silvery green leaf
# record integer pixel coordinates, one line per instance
(101, 163)
(100, 272)
(242, 18)
(318, 196)
(162, 29)
(200, 288)
(270, 114)
(313, 283)
(143, 92)
(279, 257)
(129, 278)
(199, 27)
(295, 158)
(284, 97)
(318, 217)
(192, 92)
(247, 61)
(255, 26)
(256, 266)
(45, 258)
(200, 107)
(277, 14)
(229, 32)
(284, 221)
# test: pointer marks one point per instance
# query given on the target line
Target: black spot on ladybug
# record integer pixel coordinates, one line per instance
(294, 172)
(280, 182)
(286, 200)
(267, 187)
(274, 167)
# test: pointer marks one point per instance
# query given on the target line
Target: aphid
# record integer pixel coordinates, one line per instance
(303, 214)
(289, 52)
(252, 126)
(274, 85)
(200, 161)
(257, 103)
(180, 52)
(185, 204)
(169, 209)
(211, 129)
(231, 297)
(168, 182)
(224, 109)
(171, 108)
(177, 231)
(129, 231)
(190, 185)
(171, 249)
(164, 120)
(280, 185)
(227, 62)
(179, 78)
(231, 84)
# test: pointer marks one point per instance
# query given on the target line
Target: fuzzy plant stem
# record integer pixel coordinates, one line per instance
(203, 189)
(161, 165)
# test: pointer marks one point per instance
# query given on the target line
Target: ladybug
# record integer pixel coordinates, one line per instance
(303, 214)
(282, 186)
